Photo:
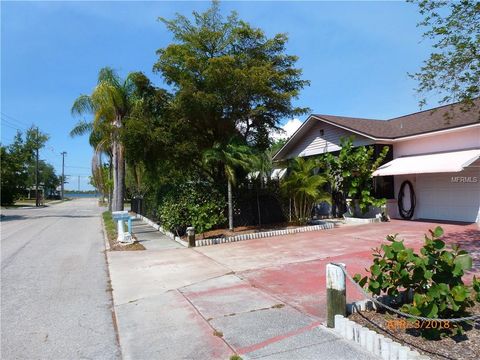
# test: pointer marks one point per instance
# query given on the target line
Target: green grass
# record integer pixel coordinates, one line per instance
(110, 226)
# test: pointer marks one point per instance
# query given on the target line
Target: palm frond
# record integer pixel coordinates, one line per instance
(83, 127)
(82, 105)
(109, 76)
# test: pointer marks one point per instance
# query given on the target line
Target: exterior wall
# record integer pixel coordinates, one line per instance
(441, 199)
(437, 197)
(393, 208)
(313, 143)
(455, 140)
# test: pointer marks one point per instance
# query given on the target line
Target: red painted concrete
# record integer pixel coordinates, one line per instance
(292, 268)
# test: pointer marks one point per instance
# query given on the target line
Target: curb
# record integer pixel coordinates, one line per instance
(235, 238)
(105, 237)
(373, 342)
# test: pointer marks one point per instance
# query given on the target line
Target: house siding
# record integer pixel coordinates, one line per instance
(313, 143)
(456, 140)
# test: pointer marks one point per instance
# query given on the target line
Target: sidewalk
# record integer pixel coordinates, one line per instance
(151, 238)
(178, 303)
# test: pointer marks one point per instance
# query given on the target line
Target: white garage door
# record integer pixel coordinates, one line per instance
(446, 197)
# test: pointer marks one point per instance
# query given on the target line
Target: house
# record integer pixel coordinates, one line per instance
(437, 151)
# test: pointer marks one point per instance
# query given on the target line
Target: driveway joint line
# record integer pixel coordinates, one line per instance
(206, 321)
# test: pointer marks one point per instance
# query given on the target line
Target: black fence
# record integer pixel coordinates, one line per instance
(137, 205)
(258, 208)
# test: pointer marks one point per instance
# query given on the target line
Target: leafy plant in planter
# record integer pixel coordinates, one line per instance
(434, 277)
(350, 173)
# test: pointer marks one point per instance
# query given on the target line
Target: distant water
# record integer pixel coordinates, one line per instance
(81, 195)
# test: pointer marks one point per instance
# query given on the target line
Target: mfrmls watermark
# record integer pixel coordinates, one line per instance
(464, 179)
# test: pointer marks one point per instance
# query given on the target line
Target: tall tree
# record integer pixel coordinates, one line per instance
(229, 158)
(453, 68)
(229, 78)
(18, 165)
(110, 103)
(14, 169)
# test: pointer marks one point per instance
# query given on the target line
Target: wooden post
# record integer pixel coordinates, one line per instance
(191, 236)
(336, 295)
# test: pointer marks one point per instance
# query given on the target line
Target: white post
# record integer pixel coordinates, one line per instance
(340, 324)
(370, 343)
(336, 295)
(120, 231)
(402, 353)
(385, 351)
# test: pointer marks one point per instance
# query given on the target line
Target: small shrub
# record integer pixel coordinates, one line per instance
(434, 277)
(193, 204)
(235, 357)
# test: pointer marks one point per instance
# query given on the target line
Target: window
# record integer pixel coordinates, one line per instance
(322, 132)
(384, 187)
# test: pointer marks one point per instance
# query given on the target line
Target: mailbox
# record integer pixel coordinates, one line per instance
(120, 217)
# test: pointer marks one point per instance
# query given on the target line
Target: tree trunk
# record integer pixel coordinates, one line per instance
(118, 175)
(230, 206)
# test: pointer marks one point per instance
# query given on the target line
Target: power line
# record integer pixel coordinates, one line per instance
(78, 167)
(14, 119)
(12, 125)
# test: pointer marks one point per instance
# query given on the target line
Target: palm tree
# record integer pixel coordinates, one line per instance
(100, 141)
(110, 103)
(305, 186)
(230, 157)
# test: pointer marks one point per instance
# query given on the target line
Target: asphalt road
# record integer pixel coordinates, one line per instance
(55, 302)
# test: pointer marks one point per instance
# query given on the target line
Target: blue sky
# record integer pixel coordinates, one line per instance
(356, 55)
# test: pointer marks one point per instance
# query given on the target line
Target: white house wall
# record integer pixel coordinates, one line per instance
(455, 140)
(313, 143)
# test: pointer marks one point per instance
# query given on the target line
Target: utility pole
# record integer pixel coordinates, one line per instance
(63, 171)
(37, 196)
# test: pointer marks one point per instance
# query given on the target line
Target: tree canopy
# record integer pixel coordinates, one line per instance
(229, 78)
(18, 166)
(453, 68)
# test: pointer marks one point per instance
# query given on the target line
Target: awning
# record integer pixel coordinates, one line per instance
(444, 162)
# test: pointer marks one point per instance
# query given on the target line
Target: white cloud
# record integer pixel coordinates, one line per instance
(288, 129)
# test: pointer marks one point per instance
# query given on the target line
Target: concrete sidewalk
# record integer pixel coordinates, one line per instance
(181, 304)
(151, 238)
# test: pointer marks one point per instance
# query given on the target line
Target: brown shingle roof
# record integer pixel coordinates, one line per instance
(441, 118)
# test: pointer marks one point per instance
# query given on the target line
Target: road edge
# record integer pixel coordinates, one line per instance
(110, 289)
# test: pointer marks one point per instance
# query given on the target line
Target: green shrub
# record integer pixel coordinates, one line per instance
(434, 277)
(192, 204)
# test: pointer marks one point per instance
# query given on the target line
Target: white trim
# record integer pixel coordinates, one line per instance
(432, 133)
(292, 137)
(376, 139)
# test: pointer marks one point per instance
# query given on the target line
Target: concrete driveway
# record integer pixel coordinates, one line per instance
(261, 298)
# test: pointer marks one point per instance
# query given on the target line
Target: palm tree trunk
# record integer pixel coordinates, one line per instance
(118, 175)
(109, 197)
(230, 206)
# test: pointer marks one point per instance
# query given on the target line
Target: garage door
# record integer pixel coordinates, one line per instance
(452, 196)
